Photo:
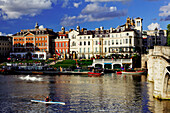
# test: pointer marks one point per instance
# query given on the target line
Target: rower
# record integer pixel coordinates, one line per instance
(47, 99)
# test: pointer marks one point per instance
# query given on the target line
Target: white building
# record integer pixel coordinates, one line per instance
(156, 37)
(125, 40)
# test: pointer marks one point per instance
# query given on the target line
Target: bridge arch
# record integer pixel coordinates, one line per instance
(166, 83)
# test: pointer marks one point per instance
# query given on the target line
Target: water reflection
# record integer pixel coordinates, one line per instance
(109, 93)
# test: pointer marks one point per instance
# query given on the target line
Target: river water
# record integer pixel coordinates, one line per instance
(110, 93)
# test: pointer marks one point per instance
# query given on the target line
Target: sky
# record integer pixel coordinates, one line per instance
(23, 14)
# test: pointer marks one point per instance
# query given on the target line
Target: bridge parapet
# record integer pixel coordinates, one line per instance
(160, 51)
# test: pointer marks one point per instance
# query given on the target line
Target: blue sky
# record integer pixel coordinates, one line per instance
(23, 14)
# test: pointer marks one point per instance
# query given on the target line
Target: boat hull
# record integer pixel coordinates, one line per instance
(131, 73)
(50, 102)
(92, 74)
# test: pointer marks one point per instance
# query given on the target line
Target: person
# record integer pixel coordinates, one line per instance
(47, 99)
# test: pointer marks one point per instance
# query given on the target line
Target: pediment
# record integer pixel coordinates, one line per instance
(28, 34)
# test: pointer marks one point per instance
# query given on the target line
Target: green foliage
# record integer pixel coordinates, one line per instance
(168, 38)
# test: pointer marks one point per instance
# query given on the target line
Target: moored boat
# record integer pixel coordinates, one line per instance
(130, 72)
(94, 74)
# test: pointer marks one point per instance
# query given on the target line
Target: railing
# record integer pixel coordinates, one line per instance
(112, 61)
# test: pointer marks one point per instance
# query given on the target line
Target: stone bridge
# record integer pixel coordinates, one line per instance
(158, 64)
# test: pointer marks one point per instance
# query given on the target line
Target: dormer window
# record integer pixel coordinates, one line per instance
(107, 31)
(85, 31)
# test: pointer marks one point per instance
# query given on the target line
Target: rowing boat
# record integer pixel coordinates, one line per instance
(49, 102)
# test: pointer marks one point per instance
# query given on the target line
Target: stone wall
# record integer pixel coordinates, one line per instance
(157, 64)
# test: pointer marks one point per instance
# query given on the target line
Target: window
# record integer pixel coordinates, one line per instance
(59, 44)
(88, 50)
(116, 42)
(84, 37)
(45, 49)
(120, 41)
(88, 37)
(66, 44)
(88, 42)
(56, 44)
(127, 34)
(96, 42)
(84, 42)
(36, 38)
(80, 50)
(130, 41)
(45, 44)
(105, 43)
(42, 38)
(42, 49)
(32, 38)
(63, 44)
(66, 50)
(41, 55)
(84, 50)
(112, 42)
(100, 49)
(39, 44)
(138, 23)
(105, 49)
(39, 38)
(96, 49)
(80, 37)
(42, 44)
(126, 41)
(80, 43)
(108, 42)
(63, 51)
(45, 38)
(112, 36)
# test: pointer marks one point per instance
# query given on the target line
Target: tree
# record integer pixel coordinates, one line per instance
(168, 37)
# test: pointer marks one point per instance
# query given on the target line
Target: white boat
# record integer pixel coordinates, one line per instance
(130, 72)
(49, 102)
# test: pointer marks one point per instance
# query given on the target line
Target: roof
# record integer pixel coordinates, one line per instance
(36, 32)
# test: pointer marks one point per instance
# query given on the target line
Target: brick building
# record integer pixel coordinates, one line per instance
(62, 44)
(36, 41)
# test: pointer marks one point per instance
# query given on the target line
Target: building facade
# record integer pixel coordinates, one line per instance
(34, 40)
(62, 44)
(5, 47)
(125, 40)
(155, 37)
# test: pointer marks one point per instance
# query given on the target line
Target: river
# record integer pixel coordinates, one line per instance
(110, 93)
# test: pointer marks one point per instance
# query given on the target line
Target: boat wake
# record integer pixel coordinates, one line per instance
(29, 78)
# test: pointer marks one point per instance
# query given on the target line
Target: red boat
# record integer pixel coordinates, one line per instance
(93, 74)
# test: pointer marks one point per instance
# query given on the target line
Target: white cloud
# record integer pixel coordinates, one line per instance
(153, 26)
(14, 9)
(2, 34)
(165, 10)
(77, 4)
(106, 0)
(41, 27)
(93, 12)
